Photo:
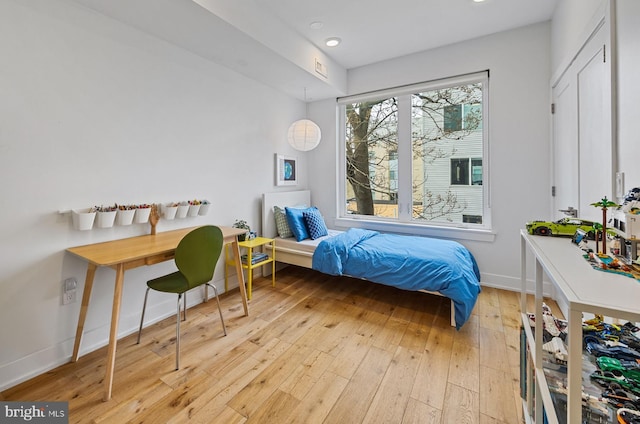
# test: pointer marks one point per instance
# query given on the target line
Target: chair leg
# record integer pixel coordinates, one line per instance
(185, 306)
(178, 334)
(144, 306)
(215, 291)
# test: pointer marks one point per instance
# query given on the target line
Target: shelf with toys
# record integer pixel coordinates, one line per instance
(584, 292)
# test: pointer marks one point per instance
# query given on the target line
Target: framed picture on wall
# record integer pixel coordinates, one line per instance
(286, 170)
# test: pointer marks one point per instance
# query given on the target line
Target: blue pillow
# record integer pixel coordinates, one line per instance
(315, 223)
(296, 223)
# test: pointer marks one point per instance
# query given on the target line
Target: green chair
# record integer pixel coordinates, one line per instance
(196, 258)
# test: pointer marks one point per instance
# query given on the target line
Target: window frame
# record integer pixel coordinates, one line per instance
(404, 222)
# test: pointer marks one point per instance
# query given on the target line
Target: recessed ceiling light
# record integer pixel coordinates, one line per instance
(478, 1)
(332, 42)
(316, 25)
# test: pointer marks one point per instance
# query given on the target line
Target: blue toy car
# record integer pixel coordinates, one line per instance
(618, 352)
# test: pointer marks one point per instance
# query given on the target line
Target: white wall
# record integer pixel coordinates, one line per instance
(519, 64)
(628, 38)
(94, 112)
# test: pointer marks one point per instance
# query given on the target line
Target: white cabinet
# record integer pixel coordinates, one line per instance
(581, 289)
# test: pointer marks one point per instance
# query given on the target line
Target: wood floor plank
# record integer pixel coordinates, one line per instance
(464, 366)
(493, 349)
(495, 389)
(353, 404)
(391, 333)
(347, 361)
(316, 405)
(128, 409)
(249, 399)
(420, 413)
(461, 406)
(395, 389)
(431, 379)
(307, 374)
(275, 409)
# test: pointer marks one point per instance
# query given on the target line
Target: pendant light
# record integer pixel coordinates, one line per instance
(304, 134)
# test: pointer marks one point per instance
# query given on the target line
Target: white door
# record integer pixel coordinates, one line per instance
(565, 146)
(582, 137)
(594, 128)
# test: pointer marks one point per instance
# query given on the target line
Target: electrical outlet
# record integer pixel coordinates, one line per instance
(68, 297)
(619, 184)
(69, 287)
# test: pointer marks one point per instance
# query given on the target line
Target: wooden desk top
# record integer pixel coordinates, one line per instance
(114, 252)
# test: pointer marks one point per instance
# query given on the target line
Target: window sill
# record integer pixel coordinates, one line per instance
(458, 233)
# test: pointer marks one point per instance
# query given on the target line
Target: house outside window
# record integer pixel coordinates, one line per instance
(415, 154)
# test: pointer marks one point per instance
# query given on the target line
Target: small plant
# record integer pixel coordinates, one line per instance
(241, 223)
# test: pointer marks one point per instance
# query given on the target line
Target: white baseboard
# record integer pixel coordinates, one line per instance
(514, 284)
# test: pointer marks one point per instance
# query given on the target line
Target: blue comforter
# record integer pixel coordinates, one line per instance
(406, 262)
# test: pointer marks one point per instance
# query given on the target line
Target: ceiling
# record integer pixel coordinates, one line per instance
(372, 31)
(273, 41)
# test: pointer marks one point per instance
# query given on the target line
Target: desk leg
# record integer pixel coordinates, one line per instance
(113, 335)
(86, 296)
(249, 272)
(273, 264)
(243, 292)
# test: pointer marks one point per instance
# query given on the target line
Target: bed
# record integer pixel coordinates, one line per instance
(414, 263)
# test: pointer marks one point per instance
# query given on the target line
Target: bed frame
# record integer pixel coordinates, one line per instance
(282, 199)
(290, 256)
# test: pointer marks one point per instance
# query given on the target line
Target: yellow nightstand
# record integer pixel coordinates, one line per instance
(250, 245)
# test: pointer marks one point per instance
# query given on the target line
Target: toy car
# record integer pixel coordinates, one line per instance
(628, 416)
(628, 369)
(563, 227)
(618, 352)
(614, 381)
(621, 399)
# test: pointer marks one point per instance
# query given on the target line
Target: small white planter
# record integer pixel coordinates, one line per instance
(83, 219)
(169, 212)
(105, 219)
(125, 217)
(142, 215)
(182, 211)
(204, 209)
(193, 210)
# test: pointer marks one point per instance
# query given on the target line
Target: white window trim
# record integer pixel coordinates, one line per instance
(404, 222)
(461, 232)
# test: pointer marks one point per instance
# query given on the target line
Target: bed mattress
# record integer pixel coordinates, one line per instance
(305, 246)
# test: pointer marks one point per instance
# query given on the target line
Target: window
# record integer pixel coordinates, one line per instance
(472, 219)
(459, 171)
(452, 118)
(460, 174)
(415, 154)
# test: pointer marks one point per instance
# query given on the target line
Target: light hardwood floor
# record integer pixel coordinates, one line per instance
(316, 349)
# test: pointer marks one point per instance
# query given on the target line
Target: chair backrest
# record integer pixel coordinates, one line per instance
(197, 254)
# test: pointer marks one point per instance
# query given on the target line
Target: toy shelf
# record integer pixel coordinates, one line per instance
(582, 290)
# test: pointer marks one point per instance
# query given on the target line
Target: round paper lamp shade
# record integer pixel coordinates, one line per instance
(304, 135)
